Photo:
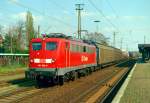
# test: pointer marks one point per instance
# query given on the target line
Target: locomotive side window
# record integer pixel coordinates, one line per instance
(36, 46)
(73, 48)
(51, 45)
(77, 48)
(91, 50)
(84, 49)
(81, 49)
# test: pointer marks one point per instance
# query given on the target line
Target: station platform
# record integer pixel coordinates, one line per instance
(136, 88)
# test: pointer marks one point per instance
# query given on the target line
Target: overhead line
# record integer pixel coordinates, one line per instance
(24, 6)
(112, 8)
(7, 20)
(100, 11)
(117, 16)
(58, 5)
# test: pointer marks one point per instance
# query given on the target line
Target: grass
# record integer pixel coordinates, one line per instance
(12, 68)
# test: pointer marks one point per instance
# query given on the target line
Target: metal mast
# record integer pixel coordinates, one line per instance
(79, 8)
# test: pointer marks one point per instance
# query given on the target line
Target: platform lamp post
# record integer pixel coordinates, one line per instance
(97, 26)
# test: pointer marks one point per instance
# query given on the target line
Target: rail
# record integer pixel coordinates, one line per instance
(111, 94)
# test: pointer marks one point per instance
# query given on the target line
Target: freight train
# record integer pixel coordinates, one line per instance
(58, 58)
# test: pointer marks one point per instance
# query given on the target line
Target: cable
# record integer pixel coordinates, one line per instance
(7, 20)
(130, 30)
(112, 8)
(100, 11)
(58, 5)
(24, 6)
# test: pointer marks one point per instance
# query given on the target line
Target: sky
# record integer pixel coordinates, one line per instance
(130, 19)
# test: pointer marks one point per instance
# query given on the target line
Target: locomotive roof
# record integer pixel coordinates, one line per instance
(89, 42)
(56, 38)
(63, 36)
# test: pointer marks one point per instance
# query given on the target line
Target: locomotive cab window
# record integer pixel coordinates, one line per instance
(36, 46)
(84, 49)
(51, 45)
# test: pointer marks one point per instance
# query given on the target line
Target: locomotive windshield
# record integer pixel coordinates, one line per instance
(36, 46)
(51, 46)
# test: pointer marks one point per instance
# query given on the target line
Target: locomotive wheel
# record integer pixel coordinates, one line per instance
(78, 74)
(61, 80)
(74, 75)
(90, 71)
(53, 81)
(40, 83)
(87, 71)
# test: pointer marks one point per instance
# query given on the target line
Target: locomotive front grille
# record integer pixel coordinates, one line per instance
(35, 73)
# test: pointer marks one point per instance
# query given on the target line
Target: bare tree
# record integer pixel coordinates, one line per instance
(29, 27)
(1, 29)
(98, 37)
(11, 44)
(20, 41)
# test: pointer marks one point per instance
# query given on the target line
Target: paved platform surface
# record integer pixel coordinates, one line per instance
(136, 88)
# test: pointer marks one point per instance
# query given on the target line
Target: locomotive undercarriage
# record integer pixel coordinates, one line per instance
(51, 78)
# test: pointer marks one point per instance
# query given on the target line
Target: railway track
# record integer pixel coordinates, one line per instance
(6, 80)
(105, 93)
(100, 92)
(88, 96)
(18, 96)
(113, 91)
(4, 84)
(72, 92)
(12, 82)
(15, 93)
(12, 78)
(82, 89)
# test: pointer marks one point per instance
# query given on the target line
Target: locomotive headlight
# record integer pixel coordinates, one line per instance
(36, 60)
(53, 60)
(31, 60)
(49, 61)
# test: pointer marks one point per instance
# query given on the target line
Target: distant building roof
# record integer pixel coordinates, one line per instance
(143, 47)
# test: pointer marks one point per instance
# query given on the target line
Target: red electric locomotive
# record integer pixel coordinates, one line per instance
(57, 58)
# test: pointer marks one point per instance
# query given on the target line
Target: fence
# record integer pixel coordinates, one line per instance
(10, 59)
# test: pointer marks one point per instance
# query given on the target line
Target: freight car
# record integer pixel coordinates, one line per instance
(57, 58)
(107, 55)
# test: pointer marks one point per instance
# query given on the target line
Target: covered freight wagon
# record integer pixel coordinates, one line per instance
(108, 54)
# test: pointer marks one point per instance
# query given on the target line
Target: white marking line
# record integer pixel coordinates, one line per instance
(123, 87)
